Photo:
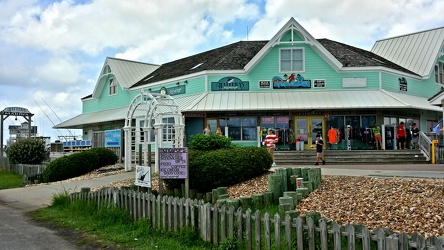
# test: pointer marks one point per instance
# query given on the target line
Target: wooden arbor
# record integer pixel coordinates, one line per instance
(152, 119)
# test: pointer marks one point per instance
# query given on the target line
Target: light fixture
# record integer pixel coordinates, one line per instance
(186, 82)
(149, 89)
(285, 76)
(177, 83)
(16, 118)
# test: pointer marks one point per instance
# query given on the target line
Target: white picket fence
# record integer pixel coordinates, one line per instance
(252, 230)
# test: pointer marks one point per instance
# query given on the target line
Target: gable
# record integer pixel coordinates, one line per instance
(126, 72)
(417, 52)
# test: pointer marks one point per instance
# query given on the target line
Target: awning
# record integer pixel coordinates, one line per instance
(118, 114)
(272, 101)
(307, 100)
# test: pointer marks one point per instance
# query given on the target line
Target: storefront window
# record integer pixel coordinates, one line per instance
(240, 128)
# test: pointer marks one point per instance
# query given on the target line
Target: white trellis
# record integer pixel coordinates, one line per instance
(151, 115)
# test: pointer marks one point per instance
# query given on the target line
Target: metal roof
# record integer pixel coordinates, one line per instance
(118, 114)
(307, 100)
(417, 52)
(129, 72)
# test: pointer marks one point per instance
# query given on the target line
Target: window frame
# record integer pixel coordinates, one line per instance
(439, 72)
(292, 60)
(112, 86)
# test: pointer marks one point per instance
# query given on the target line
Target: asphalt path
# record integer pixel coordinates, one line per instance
(18, 231)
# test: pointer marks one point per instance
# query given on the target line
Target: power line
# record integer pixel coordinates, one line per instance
(47, 116)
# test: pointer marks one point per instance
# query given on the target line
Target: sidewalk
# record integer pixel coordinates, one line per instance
(34, 197)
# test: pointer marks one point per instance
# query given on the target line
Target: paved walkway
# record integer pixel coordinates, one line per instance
(18, 232)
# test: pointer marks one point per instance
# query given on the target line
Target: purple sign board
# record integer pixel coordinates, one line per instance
(173, 163)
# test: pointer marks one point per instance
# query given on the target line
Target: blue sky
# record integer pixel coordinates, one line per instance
(51, 52)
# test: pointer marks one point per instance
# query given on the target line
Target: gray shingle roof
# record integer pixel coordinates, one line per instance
(231, 57)
(235, 56)
(351, 56)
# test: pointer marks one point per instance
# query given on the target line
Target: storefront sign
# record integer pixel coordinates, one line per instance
(172, 90)
(319, 84)
(267, 122)
(230, 84)
(173, 163)
(264, 84)
(402, 84)
(112, 138)
(291, 82)
(194, 114)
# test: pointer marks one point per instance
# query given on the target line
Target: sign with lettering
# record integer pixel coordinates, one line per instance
(16, 111)
(112, 138)
(143, 176)
(319, 84)
(230, 84)
(292, 82)
(402, 84)
(264, 84)
(172, 90)
(173, 163)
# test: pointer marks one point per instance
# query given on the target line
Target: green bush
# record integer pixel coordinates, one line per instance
(26, 151)
(211, 142)
(106, 156)
(71, 166)
(224, 167)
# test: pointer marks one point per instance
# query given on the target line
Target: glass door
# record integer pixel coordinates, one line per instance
(307, 128)
(213, 124)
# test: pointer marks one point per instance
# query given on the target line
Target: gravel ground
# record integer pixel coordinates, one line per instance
(401, 204)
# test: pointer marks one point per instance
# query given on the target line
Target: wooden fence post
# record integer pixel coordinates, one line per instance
(267, 231)
(277, 230)
(257, 226)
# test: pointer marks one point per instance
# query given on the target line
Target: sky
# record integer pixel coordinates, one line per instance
(51, 52)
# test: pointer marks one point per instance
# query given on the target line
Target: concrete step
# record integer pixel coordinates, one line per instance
(352, 157)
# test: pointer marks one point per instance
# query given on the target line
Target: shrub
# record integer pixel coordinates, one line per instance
(211, 142)
(224, 167)
(71, 166)
(106, 156)
(26, 151)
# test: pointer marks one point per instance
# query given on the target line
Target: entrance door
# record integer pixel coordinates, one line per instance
(213, 124)
(307, 128)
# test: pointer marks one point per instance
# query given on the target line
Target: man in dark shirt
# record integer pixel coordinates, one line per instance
(319, 150)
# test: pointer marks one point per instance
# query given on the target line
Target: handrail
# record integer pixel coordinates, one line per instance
(425, 145)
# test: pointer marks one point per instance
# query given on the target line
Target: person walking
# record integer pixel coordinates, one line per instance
(401, 135)
(319, 150)
(415, 136)
(270, 142)
(377, 135)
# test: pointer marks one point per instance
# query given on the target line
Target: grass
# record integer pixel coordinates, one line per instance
(112, 228)
(9, 179)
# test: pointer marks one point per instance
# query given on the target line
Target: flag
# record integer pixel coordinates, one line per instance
(436, 129)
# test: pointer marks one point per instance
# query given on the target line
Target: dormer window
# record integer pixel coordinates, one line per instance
(439, 73)
(112, 86)
(292, 60)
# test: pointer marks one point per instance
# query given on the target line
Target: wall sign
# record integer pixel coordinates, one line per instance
(291, 82)
(319, 84)
(112, 138)
(264, 84)
(402, 84)
(171, 91)
(230, 84)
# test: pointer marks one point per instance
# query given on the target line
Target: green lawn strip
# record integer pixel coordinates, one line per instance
(9, 179)
(114, 227)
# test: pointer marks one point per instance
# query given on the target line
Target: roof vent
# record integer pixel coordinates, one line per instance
(197, 66)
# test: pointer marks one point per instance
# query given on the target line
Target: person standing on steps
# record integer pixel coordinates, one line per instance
(270, 142)
(401, 135)
(319, 150)
(415, 136)
(377, 135)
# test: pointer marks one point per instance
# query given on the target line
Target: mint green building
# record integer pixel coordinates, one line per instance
(298, 85)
